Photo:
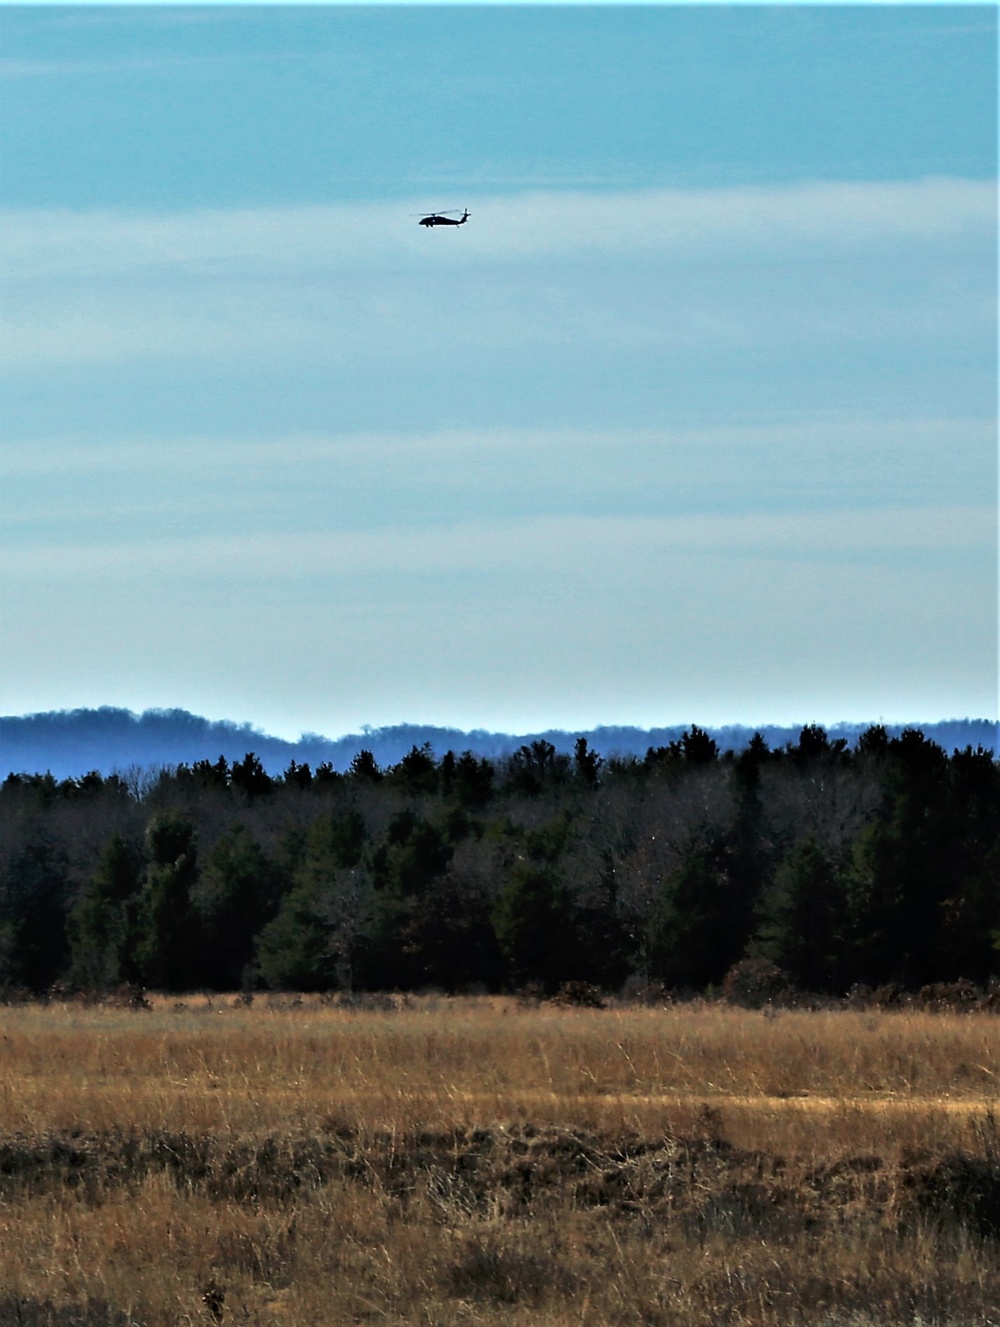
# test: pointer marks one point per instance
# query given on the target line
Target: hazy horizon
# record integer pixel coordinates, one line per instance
(308, 734)
(70, 744)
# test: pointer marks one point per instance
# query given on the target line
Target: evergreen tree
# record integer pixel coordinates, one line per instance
(599, 949)
(298, 776)
(532, 920)
(102, 923)
(235, 896)
(206, 775)
(405, 868)
(802, 917)
(900, 869)
(34, 900)
(364, 768)
(417, 772)
(470, 780)
(695, 933)
(249, 777)
(586, 763)
(313, 942)
(295, 951)
(698, 748)
(168, 944)
(534, 767)
(970, 910)
(750, 840)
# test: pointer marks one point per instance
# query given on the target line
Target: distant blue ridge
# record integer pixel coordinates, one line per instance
(70, 743)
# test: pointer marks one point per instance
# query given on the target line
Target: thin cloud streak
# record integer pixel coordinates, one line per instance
(449, 448)
(574, 282)
(562, 545)
(677, 223)
(354, 321)
(292, 490)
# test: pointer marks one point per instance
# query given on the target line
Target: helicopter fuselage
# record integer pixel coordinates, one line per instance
(436, 220)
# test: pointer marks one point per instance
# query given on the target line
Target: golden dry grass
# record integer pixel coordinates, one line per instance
(475, 1161)
(212, 1064)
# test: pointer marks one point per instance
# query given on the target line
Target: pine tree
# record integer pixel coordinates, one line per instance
(34, 894)
(168, 947)
(532, 919)
(103, 920)
(313, 942)
(236, 895)
(802, 918)
(696, 932)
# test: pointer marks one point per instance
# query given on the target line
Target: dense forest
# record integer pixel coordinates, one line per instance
(836, 865)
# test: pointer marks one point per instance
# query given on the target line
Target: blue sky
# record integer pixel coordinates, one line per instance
(695, 420)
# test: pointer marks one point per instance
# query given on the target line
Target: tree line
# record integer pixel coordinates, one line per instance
(838, 864)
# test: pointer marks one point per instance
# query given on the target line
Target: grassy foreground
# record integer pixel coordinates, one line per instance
(474, 1161)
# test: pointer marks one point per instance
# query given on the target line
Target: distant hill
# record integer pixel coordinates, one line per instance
(72, 742)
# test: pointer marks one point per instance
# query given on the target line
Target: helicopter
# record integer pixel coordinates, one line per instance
(444, 219)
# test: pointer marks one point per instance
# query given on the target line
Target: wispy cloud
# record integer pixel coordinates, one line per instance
(560, 545)
(661, 272)
(72, 489)
(675, 222)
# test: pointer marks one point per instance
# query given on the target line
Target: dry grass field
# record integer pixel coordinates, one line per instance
(477, 1161)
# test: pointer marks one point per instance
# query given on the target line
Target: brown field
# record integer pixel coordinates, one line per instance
(475, 1161)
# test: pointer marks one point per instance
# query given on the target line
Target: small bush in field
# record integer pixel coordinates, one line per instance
(756, 982)
(645, 991)
(580, 994)
(490, 1271)
(958, 997)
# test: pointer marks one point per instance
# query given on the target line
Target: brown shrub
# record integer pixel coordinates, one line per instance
(490, 1269)
(579, 995)
(755, 982)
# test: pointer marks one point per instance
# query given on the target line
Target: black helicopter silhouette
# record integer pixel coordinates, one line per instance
(444, 219)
